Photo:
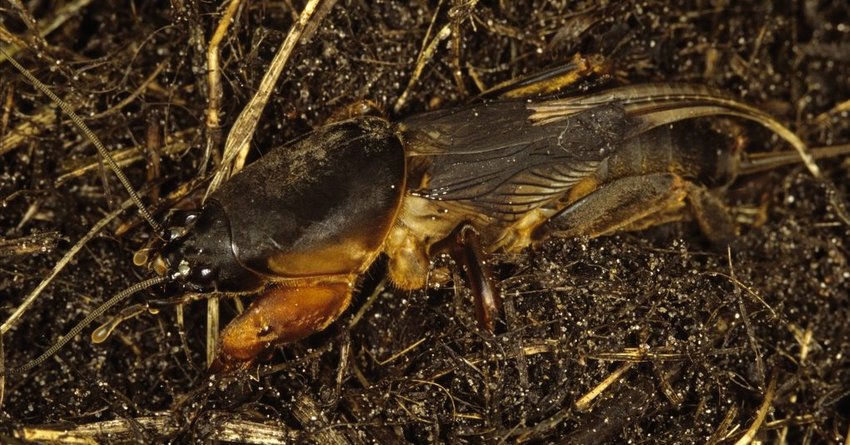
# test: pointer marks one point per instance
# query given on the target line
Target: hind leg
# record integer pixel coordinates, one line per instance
(637, 202)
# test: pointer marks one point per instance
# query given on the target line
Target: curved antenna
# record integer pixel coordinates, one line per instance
(118, 298)
(78, 121)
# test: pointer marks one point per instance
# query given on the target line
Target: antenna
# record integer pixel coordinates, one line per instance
(104, 153)
(78, 121)
(118, 298)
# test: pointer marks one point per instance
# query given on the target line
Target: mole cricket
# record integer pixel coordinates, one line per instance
(298, 227)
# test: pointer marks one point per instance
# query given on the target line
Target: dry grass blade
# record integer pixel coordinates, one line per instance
(28, 245)
(236, 145)
(213, 121)
(426, 53)
(310, 414)
(24, 131)
(2, 374)
(213, 315)
(123, 158)
(761, 414)
(213, 69)
(722, 430)
(583, 403)
(225, 427)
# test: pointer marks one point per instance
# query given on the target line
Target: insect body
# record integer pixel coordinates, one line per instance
(300, 225)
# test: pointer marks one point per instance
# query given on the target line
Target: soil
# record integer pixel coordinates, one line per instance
(693, 343)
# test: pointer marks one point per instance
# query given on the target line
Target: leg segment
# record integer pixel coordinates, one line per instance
(282, 314)
(713, 216)
(637, 202)
(464, 246)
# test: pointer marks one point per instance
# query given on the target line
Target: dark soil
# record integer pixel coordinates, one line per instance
(698, 335)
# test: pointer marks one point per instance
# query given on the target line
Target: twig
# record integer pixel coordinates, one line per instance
(457, 43)
(174, 144)
(30, 21)
(442, 388)
(11, 49)
(8, 103)
(421, 59)
(135, 94)
(2, 374)
(741, 285)
(44, 118)
(847, 436)
(823, 118)
(368, 304)
(34, 244)
(639, 355)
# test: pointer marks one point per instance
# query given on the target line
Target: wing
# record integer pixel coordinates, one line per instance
(495, 156)
(512, 156)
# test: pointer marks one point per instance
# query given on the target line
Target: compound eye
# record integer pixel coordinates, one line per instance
(183, 218)
(202, 276)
